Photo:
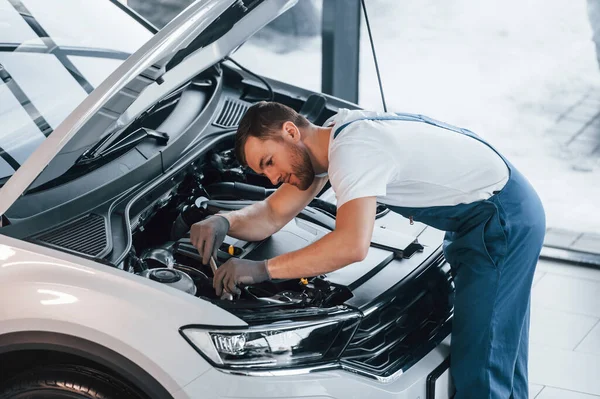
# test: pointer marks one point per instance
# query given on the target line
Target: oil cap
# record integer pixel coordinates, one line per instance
(234, 251)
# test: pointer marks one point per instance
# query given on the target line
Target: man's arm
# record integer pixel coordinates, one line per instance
(348, 243)
(260, 220)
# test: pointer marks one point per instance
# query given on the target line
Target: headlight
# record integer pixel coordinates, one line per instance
(277, 345)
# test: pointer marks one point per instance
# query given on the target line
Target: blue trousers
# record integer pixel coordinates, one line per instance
(490, 334)
(493, 248)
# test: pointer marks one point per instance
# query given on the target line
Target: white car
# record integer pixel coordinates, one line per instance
(114, 139)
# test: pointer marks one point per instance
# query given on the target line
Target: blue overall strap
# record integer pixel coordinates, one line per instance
(399, 117)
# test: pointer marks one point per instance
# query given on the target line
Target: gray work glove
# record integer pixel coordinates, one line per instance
(208, 235)
(239, 271)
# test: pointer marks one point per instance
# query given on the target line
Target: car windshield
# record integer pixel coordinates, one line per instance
(53, 53)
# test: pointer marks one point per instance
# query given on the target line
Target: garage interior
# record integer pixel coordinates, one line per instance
(532, 92)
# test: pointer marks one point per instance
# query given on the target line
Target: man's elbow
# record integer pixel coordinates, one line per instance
(357, 252)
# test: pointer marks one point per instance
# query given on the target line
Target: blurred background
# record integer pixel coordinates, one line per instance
(523, 74)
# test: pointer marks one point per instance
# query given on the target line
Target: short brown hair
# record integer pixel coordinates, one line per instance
(262, 120)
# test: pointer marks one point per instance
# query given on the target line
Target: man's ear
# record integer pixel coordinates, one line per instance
(291, 132)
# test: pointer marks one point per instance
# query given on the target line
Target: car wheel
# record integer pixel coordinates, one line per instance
(64, 382)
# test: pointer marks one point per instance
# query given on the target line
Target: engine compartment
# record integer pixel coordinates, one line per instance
(134, 212)
(214, 182)
(162, 250)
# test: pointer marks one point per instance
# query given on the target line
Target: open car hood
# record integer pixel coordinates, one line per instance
(200, 36)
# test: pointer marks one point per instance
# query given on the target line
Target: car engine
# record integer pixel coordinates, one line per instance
(162, 250)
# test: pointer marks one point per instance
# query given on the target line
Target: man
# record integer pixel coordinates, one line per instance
(443, 176)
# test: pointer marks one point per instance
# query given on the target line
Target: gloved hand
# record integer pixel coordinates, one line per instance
(239, 271)
(208, 235)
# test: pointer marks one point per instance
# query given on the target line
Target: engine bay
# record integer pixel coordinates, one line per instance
(158, 240)
(134, 210)
(162, 250)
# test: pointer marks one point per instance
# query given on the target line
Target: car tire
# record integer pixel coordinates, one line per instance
(64, 382)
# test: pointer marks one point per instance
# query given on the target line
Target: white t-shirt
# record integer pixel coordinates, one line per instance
(411, 164)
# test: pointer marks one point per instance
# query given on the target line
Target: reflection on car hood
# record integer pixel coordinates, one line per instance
(204, 33)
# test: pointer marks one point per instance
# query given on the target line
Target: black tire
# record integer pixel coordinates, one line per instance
(64, 382)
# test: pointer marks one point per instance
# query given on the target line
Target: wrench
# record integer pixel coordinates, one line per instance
(213, 265)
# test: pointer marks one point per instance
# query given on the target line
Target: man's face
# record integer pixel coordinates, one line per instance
(281, 159)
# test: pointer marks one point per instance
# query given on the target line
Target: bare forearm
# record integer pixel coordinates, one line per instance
(334, 251)
(260, 220)
(252, 223)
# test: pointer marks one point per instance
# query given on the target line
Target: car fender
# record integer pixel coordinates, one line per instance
(45, 290)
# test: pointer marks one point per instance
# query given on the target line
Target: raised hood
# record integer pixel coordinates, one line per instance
(200, 36)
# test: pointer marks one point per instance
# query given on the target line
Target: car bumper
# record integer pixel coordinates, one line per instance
(326, 384)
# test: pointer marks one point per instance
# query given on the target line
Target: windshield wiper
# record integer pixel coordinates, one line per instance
(116, 142)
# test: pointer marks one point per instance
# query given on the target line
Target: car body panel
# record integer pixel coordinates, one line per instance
(323, 384)
(56, 292)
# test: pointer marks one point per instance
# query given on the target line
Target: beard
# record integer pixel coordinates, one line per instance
(302, 167)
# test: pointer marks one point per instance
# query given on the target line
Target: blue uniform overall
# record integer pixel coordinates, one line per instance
(493, 247)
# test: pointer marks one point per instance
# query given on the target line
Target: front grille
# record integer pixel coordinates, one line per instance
(86, 235)
(406, 323)
(231, 113)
